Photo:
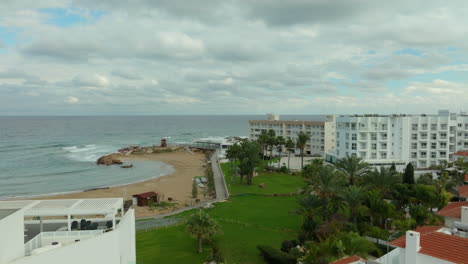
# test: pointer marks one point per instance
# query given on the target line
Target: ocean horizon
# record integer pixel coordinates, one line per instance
(42, 155)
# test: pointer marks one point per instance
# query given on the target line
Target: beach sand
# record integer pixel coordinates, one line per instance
(177, 185)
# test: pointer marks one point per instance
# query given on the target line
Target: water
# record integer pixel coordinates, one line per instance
(43, 155)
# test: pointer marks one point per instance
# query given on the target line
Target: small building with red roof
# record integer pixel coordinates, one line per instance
(463, 192)
(144, 199)
(428, 245)
(350, 260)
(453, 213)
(461, 155)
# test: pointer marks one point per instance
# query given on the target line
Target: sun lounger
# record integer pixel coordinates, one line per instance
(198, 180)
(201, 185)
(203, 180)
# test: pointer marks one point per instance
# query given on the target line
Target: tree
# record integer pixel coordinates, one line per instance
(302, 139)
(353, 167)
(232, 153)
(291, 146)
(202, 226)
(280, 142)
(194, 189)
(393, 167)
(248, 159)
(408, 175)
(263, 141)
(326, 185)
(354, 196)
(313, 169)
(383, 179)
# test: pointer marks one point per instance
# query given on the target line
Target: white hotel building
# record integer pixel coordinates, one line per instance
(78, 231)
(424, 140)
(322, 133)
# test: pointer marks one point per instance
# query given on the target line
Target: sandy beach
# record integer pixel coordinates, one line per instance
(177, 185)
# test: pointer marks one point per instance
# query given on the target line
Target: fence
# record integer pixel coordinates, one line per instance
(36, 242)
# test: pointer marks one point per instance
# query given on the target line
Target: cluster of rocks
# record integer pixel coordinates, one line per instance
(108, 160)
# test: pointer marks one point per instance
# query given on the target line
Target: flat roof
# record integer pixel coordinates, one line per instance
(6, 212)
(288, 122)
(65, 207)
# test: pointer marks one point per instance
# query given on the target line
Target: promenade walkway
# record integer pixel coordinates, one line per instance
(220, 184)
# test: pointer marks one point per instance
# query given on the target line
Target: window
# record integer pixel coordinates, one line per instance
(384, 126)
(414, 126)
(443, 126)
(433, 145)
(353, 146)
(383, 155)
(338, 143)
(414, 136)
(353, 126)
(354, 136)
(363, 145)
(347, 136)
(423, 145)
(433, 155)
(434, 136)
(424, 135)
(433, 126)
(423, 154)
(347, 145)
(443, 135)
(373, 136)
(373, 146)
(442, 153)
(414, 155)
(383, 146)
(373, 155)
(414, 145)
(443, 144)
(363, 136)
(383, 136)
(362, 154)
(424, 126)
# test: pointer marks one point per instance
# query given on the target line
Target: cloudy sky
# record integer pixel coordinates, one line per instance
(88, 57)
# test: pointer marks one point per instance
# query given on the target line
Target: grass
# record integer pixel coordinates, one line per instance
(275, 183)
(246, 221)
(162, 204)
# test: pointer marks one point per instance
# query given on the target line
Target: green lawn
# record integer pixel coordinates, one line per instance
(274, 182)
(246, 221)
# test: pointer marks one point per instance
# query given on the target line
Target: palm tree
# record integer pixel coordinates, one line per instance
(383, 179)
(263, 141)
(354, 196)
(326, 185)
(280, 142)
(353, 167)
(271, 141)
(202, 226)
(248, 157)
(232, 153)
(290, 145)
(302, 139)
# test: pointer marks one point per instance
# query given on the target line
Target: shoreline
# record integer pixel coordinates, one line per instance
(176, 184)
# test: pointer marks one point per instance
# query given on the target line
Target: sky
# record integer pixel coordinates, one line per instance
(162, 57)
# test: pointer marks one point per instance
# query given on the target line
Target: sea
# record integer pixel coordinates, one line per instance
(53, 155)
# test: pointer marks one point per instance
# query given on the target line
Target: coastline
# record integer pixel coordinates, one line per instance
(176, 185)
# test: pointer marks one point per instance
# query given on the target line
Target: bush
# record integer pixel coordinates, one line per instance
(214, 254)
(275, 256)
(283, 169)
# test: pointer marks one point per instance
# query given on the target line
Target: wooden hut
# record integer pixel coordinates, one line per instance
(143, 199)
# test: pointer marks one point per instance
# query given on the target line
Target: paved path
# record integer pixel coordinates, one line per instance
(220, 185)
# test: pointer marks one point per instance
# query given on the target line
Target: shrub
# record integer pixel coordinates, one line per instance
(275, 256)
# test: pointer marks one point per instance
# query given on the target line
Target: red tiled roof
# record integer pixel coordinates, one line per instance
(453, 209)
(461, 153)
(423, 230)
(145, 195)
(347, 260)
(442, 246)
(463, 191)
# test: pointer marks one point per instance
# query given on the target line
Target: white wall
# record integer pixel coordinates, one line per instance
(115, 247)
(12, 237)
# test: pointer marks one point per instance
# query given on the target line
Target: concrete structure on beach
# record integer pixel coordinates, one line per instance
(75, 231)
(322, 133)
(424, 140)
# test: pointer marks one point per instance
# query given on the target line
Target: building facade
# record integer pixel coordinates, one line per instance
(322, 133)
(424, 140)
(77, 231)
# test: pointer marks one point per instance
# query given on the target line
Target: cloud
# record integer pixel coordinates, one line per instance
(91, 81)
(226, 81)
(126, 74)
(439, 87)
(72, 100)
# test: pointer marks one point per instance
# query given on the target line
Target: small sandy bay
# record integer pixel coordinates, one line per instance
(176, 185)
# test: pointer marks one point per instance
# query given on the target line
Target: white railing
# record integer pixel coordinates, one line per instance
(36, 242)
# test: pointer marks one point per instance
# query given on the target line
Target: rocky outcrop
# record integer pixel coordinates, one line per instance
(108, 160)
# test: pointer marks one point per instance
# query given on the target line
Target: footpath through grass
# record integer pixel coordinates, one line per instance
(246, 221)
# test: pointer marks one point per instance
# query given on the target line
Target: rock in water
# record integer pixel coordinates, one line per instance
(108, 160)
